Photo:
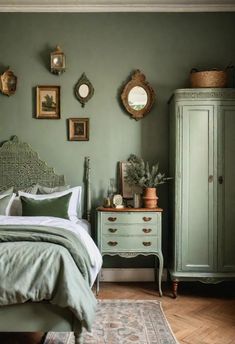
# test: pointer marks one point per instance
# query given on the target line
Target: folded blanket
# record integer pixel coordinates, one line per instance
(39, 263)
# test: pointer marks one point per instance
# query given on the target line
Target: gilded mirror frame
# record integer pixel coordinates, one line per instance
(8, 82)
(138, 79)
(83, 81)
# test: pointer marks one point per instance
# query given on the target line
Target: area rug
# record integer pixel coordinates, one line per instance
(123, 322)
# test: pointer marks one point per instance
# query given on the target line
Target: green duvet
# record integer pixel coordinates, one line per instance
(40, 263)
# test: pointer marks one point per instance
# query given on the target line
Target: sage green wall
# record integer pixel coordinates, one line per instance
(108, 47)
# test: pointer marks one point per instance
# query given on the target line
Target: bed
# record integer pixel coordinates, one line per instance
(48, 264)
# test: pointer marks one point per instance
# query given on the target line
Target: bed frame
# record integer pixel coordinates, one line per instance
(22, 168)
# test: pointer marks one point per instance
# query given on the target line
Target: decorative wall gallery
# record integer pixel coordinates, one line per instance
(137, 96)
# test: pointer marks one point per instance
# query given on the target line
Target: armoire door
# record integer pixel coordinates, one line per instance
(226, 188)
(198, 149)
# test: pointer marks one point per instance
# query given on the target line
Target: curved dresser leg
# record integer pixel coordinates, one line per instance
(160, 256)
(78, 337)
(175, 288)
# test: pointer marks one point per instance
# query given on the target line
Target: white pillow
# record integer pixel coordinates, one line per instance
(7, 202)
(7, 192)
(16, 207)
(74, 203)
(42, 190)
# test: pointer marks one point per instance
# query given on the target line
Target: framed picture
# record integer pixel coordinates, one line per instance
(48, 102)
(78, 129)
(127, 191)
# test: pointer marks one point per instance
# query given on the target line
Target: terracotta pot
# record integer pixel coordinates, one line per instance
(150, 198)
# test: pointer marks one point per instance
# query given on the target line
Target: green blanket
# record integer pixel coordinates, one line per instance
(40, 263)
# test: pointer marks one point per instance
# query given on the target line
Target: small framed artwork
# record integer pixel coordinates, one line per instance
(48, 102)
(127, 191)
(78, 129)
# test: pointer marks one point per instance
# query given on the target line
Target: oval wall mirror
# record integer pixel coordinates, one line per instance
(83, 90)
(138, 96)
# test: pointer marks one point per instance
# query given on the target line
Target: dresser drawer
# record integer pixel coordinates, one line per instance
(130, 217)
(131, 229)
(131, 244)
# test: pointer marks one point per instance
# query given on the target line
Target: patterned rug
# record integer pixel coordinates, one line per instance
(123, 322)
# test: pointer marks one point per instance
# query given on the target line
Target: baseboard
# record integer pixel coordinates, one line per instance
(129, 275)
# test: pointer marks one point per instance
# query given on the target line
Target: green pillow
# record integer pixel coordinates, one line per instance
(4, 202)
(57, 207)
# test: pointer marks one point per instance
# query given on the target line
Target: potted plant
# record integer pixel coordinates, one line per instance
(139, 173)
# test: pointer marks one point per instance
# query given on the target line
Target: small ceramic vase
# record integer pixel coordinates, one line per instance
(150, 198)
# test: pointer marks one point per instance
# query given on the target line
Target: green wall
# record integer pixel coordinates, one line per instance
(107, 47)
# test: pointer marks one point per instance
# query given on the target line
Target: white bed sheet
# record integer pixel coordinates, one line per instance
(81, 229)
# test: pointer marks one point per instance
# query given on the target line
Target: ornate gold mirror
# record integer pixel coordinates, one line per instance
(83, 90)
(8, 82)
(138, 96)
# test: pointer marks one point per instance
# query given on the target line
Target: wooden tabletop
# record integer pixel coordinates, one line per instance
(129, 209)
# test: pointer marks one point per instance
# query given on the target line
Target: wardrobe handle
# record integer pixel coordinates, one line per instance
(220, 179)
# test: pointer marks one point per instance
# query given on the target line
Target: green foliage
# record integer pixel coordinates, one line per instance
(141, 174)
(49, 100)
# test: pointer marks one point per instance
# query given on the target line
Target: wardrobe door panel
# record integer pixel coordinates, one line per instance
(197, 237)
(226, 189)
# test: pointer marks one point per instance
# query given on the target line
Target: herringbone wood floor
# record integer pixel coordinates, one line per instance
(201, 314)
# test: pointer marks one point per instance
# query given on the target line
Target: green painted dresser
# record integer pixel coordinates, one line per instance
(129, 233)
(202, 162)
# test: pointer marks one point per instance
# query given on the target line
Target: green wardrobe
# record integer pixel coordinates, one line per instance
(202, 163)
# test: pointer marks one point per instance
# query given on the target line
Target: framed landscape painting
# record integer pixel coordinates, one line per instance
(48, 102)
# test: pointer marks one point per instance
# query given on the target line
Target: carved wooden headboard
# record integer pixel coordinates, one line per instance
(21, 167)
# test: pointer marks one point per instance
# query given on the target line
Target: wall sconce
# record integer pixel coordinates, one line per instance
(8, 82)
(57, 61)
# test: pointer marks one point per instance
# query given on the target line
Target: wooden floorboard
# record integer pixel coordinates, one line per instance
(201, 314)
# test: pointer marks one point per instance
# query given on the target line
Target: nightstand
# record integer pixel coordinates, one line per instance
(130, 232)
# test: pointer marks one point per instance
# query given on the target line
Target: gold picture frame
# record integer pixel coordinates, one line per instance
(78, 129)
(126, 190)
(48, 102)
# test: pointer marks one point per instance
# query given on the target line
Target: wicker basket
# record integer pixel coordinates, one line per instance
(212, 78)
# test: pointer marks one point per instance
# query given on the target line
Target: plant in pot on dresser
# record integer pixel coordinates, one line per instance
(147, 177)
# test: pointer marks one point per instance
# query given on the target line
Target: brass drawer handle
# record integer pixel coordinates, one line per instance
(147, 230)
(147, 243)
(112, 219)
(112, 230)
(146, 219)
(112, 243)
